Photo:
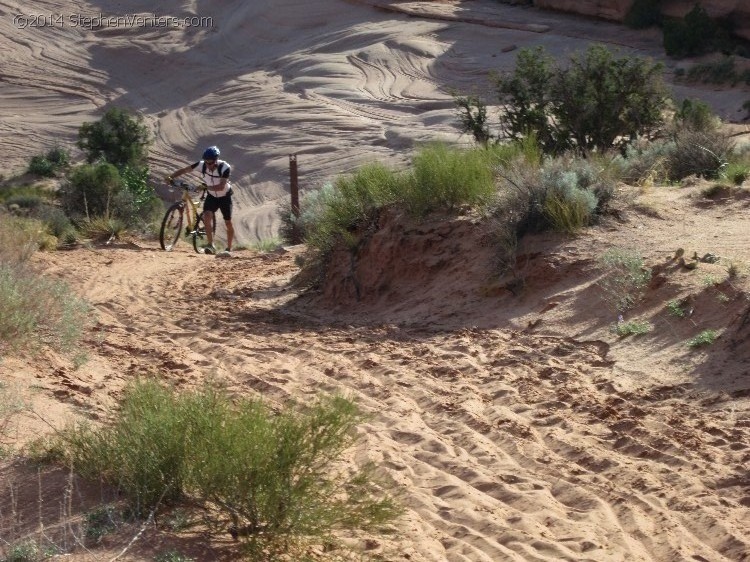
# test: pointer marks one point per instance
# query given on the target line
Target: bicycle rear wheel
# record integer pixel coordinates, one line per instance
(171, 226)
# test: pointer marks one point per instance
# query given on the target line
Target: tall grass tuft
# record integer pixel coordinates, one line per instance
(445, 178)
(276, 479)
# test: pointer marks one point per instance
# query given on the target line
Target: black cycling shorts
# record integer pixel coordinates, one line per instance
(213, 204)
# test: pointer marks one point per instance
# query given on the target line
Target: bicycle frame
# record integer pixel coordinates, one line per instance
(183, 213)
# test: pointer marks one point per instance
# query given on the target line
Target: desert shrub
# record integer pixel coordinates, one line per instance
(736, 173)
(472, 113)
(350, 205)
(276, 478)
(624, 278)
(564, 194)
(119, 138)
(49, 164)
(646, 163)
(568, 203)
(675, 307)
(19, 239)
(102, 228)
(700, 153)
(441, 178)
(55, 220)
(135, 183)
(312, 211)
(24, 551)
(595, 102)
(90, 190)
(695, 115)
(37, 310)
(695, 34)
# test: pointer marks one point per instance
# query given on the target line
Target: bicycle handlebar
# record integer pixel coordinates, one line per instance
(182, 184)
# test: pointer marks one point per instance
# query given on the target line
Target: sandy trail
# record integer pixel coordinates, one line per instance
(503, 445)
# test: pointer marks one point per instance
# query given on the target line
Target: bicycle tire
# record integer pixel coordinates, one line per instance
(199, 232)
(171, 226)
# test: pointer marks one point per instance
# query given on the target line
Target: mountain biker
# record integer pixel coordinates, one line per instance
(215, 174)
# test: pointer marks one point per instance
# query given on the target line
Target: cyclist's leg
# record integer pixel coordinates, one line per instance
(210, 206)
(208, 220)
(226, 213)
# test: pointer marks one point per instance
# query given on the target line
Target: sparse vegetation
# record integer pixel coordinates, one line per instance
(706, 337)
(276, 479)
(675, 308)
(632, 328)
(24, 551)
(624, 277)
(267, 245)
(34, 310)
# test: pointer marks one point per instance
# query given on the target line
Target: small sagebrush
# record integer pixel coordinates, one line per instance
(624, 277)
(275, 479)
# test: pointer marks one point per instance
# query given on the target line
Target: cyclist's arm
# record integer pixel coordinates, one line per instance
(181, 171)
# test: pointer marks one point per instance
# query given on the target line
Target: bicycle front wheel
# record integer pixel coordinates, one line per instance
(171, 227)
(199, 234)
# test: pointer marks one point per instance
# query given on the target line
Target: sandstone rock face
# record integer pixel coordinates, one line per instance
(737, 10)
(606, 9)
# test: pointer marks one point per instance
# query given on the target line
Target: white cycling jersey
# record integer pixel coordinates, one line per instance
(213, 178)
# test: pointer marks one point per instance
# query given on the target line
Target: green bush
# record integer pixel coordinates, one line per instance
(91, 190)
(119, 138)
(695, 35)
(277, 479)
(24, 551)
(595, 102)
(564, 194)
(695, 115)
(473, 115)
(48, 165)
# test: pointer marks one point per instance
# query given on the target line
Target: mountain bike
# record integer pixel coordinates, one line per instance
(185, 218)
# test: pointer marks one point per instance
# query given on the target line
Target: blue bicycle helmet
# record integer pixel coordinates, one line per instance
(211, 153)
